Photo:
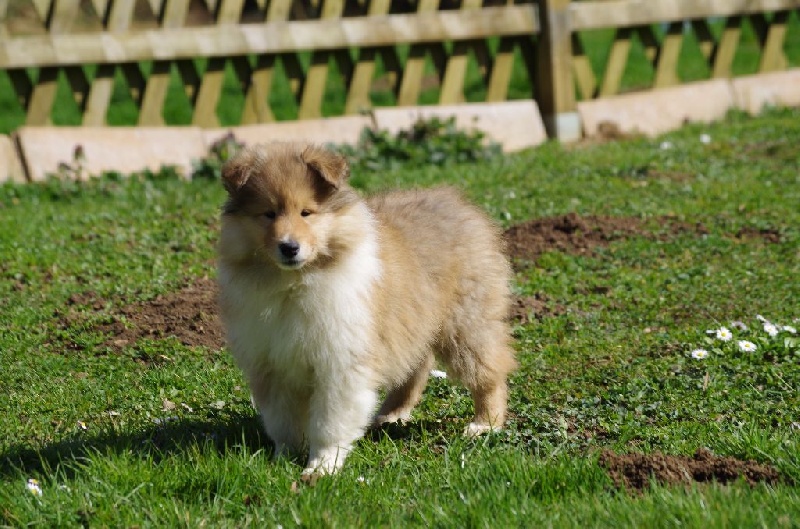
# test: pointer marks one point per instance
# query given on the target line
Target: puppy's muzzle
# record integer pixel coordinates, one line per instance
(289, 249)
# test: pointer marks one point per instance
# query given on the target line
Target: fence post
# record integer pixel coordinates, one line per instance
(554, 84)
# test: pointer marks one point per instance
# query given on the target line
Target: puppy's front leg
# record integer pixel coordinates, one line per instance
(340, 411)
(283, 410)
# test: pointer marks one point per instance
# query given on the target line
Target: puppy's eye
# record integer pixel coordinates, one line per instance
(306, 212)
(270, 215)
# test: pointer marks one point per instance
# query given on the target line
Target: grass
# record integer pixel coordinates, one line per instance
(638, 74)
(612, 371)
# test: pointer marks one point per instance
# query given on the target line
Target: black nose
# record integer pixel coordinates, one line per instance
(289, 248)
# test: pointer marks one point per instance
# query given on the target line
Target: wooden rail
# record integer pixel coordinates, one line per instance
(621, 13)
(226, 40)
(400, 47)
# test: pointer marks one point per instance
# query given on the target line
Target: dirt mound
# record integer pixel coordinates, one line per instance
(525, 309)
(637, 471)
(575, 234)
(769, 235)
(569, 233)
(189, 315)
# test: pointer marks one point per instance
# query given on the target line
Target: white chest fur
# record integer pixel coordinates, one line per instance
(306, 325)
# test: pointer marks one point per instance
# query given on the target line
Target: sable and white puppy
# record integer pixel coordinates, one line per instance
(328, 298)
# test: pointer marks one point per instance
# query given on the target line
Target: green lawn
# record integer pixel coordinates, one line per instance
(611, 369)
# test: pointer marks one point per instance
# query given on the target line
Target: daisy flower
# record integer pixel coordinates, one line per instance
(33, 487)
(724, 334)
(746, 346)
(790, 329)
(435, 373)
(771, 329)
(699, 354)
(761, 318)
(740, 325)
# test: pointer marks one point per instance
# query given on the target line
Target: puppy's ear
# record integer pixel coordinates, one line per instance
(235, 173)
(330, 166)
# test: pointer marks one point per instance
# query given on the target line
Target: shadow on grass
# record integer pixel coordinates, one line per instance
(156, 442)
(160, 441)
(414, 430)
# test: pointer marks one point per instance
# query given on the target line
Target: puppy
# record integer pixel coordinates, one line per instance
(328, 299)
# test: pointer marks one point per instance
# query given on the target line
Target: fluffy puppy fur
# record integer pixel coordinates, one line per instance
(328, 299)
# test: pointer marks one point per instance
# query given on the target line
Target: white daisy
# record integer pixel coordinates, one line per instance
(33, 487)
(435, 373)
(771, 329)
(705, 139)
(740, 325)
(699, 354)
(724, 334)
(746, 346)
(790, 329)
(761, 318)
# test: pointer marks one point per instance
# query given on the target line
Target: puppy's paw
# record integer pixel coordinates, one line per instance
(326, 461)
(475, 429)
(391, 418)
(310, 476)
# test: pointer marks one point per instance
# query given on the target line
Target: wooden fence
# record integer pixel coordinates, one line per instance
(364, 46)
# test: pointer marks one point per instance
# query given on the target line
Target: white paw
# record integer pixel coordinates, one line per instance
(323, 468)
(474, 429)
(380, 420)
(326, 460)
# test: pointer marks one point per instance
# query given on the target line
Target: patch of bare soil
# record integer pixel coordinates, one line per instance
(579, 235)
(189, 315)
(607, 132)
(769, 235)
(569, 233)
(637, 471)
(525, 309)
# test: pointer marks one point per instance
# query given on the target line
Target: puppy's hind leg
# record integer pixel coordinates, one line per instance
(481, 357)
(401, 400)
(490, 400)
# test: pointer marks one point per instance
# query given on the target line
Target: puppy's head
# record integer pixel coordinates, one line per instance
(282, 201)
